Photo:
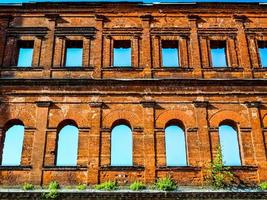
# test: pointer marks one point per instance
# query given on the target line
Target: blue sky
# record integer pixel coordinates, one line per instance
(146, 1)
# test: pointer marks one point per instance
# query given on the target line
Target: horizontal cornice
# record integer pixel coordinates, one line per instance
(134, 82)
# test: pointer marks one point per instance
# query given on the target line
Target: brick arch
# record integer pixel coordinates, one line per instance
(110, 118)
(12, 122)
(81, 118)
(27, 117)
(169, 115)
(225, 115)
(66, 122)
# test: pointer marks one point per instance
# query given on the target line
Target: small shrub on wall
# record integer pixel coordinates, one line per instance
(219, 176)
(108, 185)
(165, 184)
(137, 185)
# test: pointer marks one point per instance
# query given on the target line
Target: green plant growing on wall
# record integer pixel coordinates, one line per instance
(219, 176)
(27, 186)
(165, 184)
(137, 185)
(263, 185)
(81, 187)
(53, 191)
(108, 185)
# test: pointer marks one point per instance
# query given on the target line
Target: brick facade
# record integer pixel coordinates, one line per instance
(147, 95)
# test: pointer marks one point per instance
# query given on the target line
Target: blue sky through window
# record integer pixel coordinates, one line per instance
(170, 57)
(218, 57)
(121, 146)
(229, 145)
(13, 145)
(67, 151)
(175, 146)
(263, 56)
(25, 57)
(122, 57)
(74, 57)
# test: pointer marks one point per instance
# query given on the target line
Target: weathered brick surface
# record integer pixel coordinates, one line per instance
(147, 95)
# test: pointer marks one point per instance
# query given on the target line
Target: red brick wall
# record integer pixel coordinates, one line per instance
(196, 94)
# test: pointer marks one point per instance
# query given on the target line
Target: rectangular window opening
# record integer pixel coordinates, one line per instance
(218, 53)
(122, 53)
(25, 53)
(263, 53)
(74, 53)
(170, 53)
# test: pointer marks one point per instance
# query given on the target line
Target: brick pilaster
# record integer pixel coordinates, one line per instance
(94, 143)
(258, 139)
(97, 46)
(149, 141)
(243, 46)
(146, 61)
(203, 133)
(39, 141)
(195, 60)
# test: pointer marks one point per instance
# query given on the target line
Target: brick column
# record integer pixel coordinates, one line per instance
(156, 51)
(59, 53)
(47, 58)
(39, 141)
(146, 60)
(136, 49)
(203, 133)
(243, 46)
(149, 141)
(108, 49)
(87, 51)
(258, 139)
(97, 46)
(195, 61)
(4, 23)
(94, 143)
(10, 52)
(37, 51)
(183, 51)
(253, 48)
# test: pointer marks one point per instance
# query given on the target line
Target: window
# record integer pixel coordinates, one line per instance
(263, 53)
(13, 144)
(122, 53)
(74, 54)
(67, 146)
(218, 53)
(25, 53)
(229, 145)
(121, 146)
(170, 53)
(175, 146)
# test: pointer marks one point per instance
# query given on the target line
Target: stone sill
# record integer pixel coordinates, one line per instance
(172, 69)
(15, 168)
(16, 68)
(114, 68)
(243, 168)
(224, 69)
(121, 168)
(72, 68)
(64, 168)
(259, 69)
(178, 168)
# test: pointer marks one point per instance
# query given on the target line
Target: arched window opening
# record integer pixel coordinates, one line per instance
(13, 145)
(121, 145)
(67, 145)
(229, 145)
(175, 145)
